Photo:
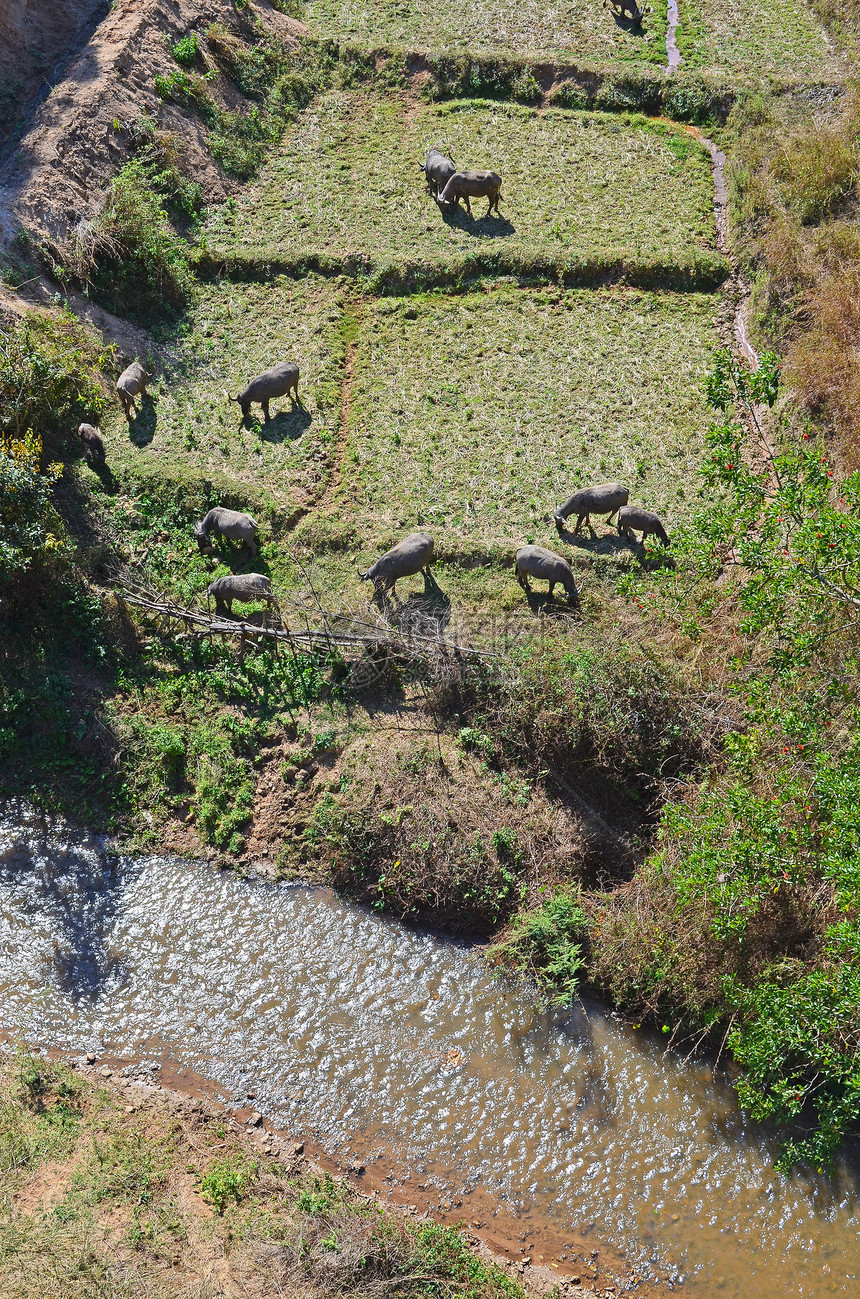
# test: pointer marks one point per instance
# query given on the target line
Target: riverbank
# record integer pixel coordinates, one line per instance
(116, 1183)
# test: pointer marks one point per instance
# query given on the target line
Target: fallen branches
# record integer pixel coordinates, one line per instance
(333, 631)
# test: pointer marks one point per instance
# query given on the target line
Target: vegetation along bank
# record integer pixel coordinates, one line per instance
(651, 789)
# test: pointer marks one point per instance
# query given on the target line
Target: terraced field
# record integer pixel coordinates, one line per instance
(579, 189)
(191, 430)
(567, 29)
(751, 41)
(477, 415)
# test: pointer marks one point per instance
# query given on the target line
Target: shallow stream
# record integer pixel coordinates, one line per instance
(342, 1026)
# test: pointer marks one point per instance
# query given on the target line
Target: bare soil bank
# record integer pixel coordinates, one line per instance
(76, 141)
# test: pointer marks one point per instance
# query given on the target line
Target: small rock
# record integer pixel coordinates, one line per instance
(575, 1280)
(298, 1148)
(107, 1073)
(255, 1120)
(91, 1057)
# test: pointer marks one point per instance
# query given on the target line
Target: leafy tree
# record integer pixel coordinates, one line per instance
(26, 515)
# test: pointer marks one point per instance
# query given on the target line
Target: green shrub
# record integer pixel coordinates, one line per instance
(186, 50)
(29, 527)
(130, 255)
(224, 788)
(547, 943)
(50, 378)
(226, 1180)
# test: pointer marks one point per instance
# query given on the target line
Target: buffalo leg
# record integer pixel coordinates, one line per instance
(551, 589)
(468, 204)
(265, 404)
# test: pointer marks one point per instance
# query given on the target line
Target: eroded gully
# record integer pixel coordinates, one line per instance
(396, 1049)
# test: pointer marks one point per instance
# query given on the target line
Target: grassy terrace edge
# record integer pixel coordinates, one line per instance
(700, 271)
(687, 96)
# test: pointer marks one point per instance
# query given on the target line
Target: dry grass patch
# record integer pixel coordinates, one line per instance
(474, 416)
(167, 1202)
(755, 40)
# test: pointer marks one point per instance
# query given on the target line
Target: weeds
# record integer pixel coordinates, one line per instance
(547, 943)
(130, 255)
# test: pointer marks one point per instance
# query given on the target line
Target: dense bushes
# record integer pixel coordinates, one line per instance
(130, 255)
(25, 513)
(50, 367)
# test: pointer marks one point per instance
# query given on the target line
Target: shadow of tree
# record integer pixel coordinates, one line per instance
(78, 892)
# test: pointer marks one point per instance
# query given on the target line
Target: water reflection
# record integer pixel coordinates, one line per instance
(348, 1027)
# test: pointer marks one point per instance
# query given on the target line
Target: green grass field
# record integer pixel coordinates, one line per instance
(346, 185)
(574, 29)
(234, 333)
(752, 40)
(475, 416)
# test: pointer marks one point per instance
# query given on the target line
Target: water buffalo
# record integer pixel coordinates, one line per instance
(229, 524)
(473, 184)
(633, 516)
(94, 447)
(605, 498)
(130, 384)
(537, 561)
(438, 170)
(243, 587)
(276, 382)
(411, 555)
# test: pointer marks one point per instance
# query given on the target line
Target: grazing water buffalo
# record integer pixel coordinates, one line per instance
(633, 516)
(94, 447)
(605, 498)
(130, 384)
(473, 184)
(276, 382)
(438, 170)
(243, 587)
(537, 561)
(411, 555)
(229, 524)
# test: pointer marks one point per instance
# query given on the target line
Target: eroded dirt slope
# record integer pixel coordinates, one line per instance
(75, 142)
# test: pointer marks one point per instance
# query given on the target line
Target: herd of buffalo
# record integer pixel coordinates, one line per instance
(414, 553)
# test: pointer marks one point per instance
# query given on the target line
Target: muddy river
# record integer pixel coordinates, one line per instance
(351, 1028)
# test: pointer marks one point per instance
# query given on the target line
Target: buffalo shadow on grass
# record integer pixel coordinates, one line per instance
(482, 227)
(286, 425)
(611, 543)
(605, 543)
(544, 605)
(141, 429)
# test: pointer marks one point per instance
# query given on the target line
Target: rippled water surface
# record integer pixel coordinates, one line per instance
(341, 1023)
